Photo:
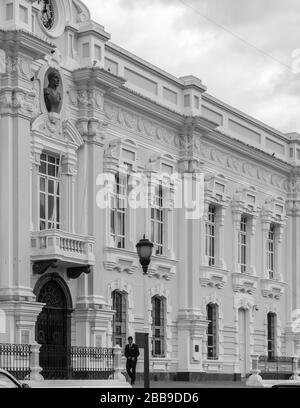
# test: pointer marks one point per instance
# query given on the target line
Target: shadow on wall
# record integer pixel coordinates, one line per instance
(2, 62)
(2, 322)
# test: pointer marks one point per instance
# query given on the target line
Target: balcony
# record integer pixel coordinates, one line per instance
(71, 250)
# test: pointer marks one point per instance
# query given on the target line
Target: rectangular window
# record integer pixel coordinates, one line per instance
(243, 244)
(98, 52)
(210, 229)
(23, 14)
(86, 50)
(271, 335)
(212, 332)
(271, 252)
(119, 207)
(119, 320)
(9, 11)
(50, 186)
(157, 221)
(158, 327)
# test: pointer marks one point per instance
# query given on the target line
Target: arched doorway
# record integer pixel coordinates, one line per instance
(53, 327)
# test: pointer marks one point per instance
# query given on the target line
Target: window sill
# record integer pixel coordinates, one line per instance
(244, 283)
(213, 276)
(272, 288)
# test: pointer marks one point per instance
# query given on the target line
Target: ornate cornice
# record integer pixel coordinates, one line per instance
(140, 125)
(17, 101)
(24, 42)
(242, 166)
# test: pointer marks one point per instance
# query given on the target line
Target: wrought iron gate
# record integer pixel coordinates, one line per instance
(53, 332)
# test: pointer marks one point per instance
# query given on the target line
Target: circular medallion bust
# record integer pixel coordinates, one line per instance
(47, 14)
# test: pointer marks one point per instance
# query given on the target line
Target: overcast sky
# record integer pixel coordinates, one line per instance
(247, 52)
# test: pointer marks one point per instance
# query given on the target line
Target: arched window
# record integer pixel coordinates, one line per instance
(119, 320)
(158, 327)
(271, 335)
(212, 331)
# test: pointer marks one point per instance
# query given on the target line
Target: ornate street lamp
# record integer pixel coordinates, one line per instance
(144, 249)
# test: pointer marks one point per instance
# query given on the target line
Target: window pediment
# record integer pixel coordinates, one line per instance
(216, 189)
(245, 201)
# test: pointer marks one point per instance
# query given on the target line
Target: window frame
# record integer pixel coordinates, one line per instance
(48, 178)
(119, 214)
(212, 331)
(122, 323)
(271, 251)
(243, 244)
(158, 326)
(271, 335)
(210, 235)
(157, 214)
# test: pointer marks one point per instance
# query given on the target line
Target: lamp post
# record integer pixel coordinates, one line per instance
(144, 249)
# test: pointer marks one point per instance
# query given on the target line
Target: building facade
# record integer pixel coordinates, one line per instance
(81, 121)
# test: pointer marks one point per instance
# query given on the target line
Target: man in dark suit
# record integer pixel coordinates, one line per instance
(131, 353)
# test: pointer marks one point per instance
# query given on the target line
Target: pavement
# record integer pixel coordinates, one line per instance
(187, 384)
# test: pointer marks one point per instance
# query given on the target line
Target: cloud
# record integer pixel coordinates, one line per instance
(255, 78)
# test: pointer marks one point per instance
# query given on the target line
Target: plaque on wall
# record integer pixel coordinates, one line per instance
(139, 340)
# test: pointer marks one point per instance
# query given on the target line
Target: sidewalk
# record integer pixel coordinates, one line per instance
(187, 384)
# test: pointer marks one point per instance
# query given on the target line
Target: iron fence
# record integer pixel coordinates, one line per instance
(278, 368)
(15, 358)
(77, 363)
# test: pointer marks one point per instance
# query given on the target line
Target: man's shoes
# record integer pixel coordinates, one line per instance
(132, 382)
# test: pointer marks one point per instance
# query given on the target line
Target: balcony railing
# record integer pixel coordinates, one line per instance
(76, 363)
(62, 246)
(15, 358)
(279, 368)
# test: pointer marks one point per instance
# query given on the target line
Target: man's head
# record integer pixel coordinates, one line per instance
(130, 340)
(53, 79)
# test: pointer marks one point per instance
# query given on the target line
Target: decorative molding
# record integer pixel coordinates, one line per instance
(75, 273)
(273, 211)
(120, 261)
(245, 202)
(244, 283)
(17, 101)
(140, 125)
(241, 166)
(48, 124)
(86, 98)
(213, 277)
(272, 289)
(41, 267)
(161, 270)
(216, 190)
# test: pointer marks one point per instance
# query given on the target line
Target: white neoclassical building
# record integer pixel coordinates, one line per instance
(221, 287)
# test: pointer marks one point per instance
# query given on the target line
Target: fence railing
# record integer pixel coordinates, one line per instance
(78, 363)
(15, 358)
(276, 367)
